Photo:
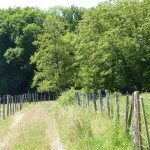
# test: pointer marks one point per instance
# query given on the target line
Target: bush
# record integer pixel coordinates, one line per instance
(67, 97)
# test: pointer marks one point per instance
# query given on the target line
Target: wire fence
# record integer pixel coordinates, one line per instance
(132, 108)
(9, 105)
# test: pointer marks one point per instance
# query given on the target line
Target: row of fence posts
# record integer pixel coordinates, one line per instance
(9, 105)
(132, 110)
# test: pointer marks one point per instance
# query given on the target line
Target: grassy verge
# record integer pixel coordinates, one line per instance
(82, 128)
(5, 127)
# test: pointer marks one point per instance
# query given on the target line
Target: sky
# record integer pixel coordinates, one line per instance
(45, 4)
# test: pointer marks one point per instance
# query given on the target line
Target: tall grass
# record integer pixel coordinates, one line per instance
(82, 128)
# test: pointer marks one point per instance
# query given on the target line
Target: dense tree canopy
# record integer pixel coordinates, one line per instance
(113, 47)
(18, 29)
(104, 47)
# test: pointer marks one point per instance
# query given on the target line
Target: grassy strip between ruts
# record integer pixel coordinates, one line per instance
(31, 132)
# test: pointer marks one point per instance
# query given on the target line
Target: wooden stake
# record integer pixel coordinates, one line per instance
(108, 101)
(131, 111)
(94, 100)
(117, 107)
(87, 100)
(127, 112)
(100, 100)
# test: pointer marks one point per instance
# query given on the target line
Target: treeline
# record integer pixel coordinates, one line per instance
(106, 47)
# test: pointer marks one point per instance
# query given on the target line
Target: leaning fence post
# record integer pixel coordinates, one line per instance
(145, 122)
(117, 107)
(94, 100)
(131, 111)
(100, 100)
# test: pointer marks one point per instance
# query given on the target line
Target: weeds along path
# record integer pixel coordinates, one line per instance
(33, 128)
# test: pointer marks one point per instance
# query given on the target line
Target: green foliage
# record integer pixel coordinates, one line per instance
(19, 28)
(54, 57)
(67, 97)
(113, 47)
(12, 54)
(106, 47)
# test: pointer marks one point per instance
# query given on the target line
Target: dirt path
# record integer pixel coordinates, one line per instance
(23, 122)
(54, 136)
(6, 140)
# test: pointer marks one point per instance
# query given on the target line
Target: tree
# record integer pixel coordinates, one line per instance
(19, 28)
(54, 57)
(113, 47)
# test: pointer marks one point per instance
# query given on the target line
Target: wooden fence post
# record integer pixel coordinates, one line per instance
(131, 111)
(108, 101)
(20, 97)
(83, 100)
(77, 98)
(7, 105)
(13, 110)
(94, 100)
(100, 100)
(30, 98)
(37, 97)
(145, 122)
(127, 112)
(15, 102)
(87, 100)
(33, 98)
(25, 98)
(4, 107)
(137, 120)
(117, 108)
(49, 97)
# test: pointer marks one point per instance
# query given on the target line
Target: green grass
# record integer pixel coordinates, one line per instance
(5, 127)
(89, 130)
(32, 133)
(79, 128)
(83, 129)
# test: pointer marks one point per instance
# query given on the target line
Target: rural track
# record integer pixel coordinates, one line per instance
(6, 141)
(20, 120)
